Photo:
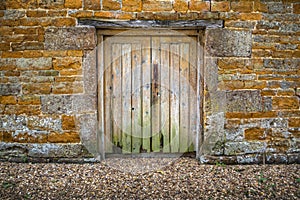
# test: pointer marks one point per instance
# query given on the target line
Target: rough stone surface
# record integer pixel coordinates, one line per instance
(70, 38)
(13, 14)
(50, 151)
(238, 148)
(13, 122)
(88, 132)
(34, 63)
(234, 134)
(243, 101)
(89, 73)
(51, 3)
(214, 137)
(56, 104)
(56, 150)
(44, 123)
(250, 158)
(10, 89)
(278, 158)
(222, 42)
(282, 63)
(84, 103)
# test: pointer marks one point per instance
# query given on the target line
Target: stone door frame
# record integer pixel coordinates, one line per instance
(107, 27)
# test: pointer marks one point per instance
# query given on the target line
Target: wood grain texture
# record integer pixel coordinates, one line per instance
(136, 109)
(165, 96)
(178, 24)
(146, 99)
(184, 97)
(150, 94)
(126, 98)
(108, 118)
(174, 99)
(155, 95)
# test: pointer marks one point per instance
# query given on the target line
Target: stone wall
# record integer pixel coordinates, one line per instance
(251, 76)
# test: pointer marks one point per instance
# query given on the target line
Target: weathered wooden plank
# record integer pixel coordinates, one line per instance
(155, 96)
(136, 109)
(193, 78)
(174, 99)
(107, 99)
(174, 66)
(149, 32)
(184, 93)
(200, 96)
(146, 98)
(116, 95)
(176, 24)
(165, 96)
(100, 67)
(126, 98)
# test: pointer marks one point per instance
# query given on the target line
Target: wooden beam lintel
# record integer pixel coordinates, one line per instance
(176, 24)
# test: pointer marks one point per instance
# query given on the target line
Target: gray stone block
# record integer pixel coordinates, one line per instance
(84, 103)
(56, 104)
(243, 101)
(293, 158)
(34, 63)
(234, 134)
(222, 42)
(51, 3)
(70, 38)
(68, 104)
(10, 89)
(12, 123)
(250, 159)
(56, 150)
(88, 132)
(278, 7)
(90, 73)
(44, 123)
(14, 14)
(267, 103)
(13, 149)
(282, 64)
(268, 25)
(277, 158)
(240, 148)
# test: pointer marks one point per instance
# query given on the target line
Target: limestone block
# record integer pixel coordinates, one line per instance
(243, 101)
(70, 38)
(10, 89)
(56, 104)
(222, 42)
(238, 148)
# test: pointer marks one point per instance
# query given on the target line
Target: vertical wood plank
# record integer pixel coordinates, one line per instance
(184, 93)
(165, 96)
(193, 94)
(174, 99)
(100, 80)
(146, 98)
(152, 111)
(155, 95)
(107, 98)
(200, 96)
(126, 98)
(116, 97)
(136, 98)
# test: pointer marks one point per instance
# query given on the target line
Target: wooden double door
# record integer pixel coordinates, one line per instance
(150, 93)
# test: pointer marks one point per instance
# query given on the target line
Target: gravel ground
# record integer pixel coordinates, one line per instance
(150, 178)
